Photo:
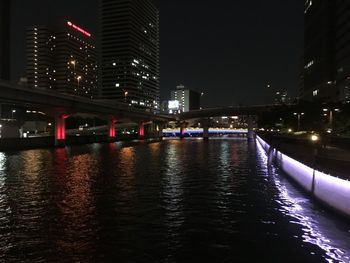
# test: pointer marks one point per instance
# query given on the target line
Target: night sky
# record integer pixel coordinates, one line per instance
(229, 49)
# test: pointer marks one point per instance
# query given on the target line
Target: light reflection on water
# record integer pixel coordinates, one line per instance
(172, 201)
(315, 225)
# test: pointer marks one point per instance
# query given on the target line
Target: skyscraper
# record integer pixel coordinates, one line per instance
(5, 17)
(319, 72)
(327, 51)
(62, 58)
(129, 59)
(342, 49)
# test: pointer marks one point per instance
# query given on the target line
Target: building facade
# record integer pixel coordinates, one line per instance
(342, 49)
(62, 58)
(187, 99)
(5, 18)
(319, 50)
(129, 59)
(326, 51)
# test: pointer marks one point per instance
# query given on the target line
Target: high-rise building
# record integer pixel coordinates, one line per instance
(129, 59)
(62, 58)
(5, 18)
(319, 50)
(187, 99)
(342, 49)
(327, 51)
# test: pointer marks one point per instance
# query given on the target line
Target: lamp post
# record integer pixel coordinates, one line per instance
(79, 79)
(331, 116)
(12, 112)
(201, 99)
(126, 93)
(73, 62)
(299, 114)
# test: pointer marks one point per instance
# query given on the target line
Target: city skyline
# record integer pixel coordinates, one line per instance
(224, 48)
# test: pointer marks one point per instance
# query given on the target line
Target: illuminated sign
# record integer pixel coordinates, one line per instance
(69, 23)
(173, 105)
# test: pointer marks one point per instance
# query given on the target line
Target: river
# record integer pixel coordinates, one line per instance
(171, 201)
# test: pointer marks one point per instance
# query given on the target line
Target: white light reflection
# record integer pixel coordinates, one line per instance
(294, 207)
(173, 187)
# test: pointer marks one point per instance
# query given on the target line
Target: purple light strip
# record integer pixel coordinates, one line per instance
(294, 207)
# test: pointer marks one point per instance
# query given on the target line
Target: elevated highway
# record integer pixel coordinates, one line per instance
(61, 106)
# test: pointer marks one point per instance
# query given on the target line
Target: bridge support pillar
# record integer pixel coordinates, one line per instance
(206, 132)
(182, 132)
(112, 126)
(60, 130)
(251, 133)
(141, 130)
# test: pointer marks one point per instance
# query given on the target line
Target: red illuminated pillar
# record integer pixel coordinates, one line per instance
(112, 126)
(60, 130)
(141, 130)
(182, 132)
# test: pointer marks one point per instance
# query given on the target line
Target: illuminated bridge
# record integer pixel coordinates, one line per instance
(203, 117)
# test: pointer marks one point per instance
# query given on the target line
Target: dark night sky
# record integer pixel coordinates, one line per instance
(230, 49)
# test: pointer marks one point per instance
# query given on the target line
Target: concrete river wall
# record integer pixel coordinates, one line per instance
(330, 190)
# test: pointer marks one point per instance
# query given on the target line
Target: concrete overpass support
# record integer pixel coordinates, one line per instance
(112, 126)
(60, 130)
(141, 130)
(251, 133)
(206, 132)
(182, 131)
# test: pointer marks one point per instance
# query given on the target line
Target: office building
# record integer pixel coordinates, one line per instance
(281, 98)
(185, 99)
(5, 18)
(62, 58)
(326, 51)
(129, 59)
(342, 50)
(319, 72)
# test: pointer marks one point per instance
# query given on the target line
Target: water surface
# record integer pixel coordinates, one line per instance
(171, 201)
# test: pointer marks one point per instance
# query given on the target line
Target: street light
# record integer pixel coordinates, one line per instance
(73, 62)
(13, 111)
(299, 114)
(125, 95)
(79, 79)
(331, 116)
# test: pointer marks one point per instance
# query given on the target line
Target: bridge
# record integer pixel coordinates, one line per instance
(227, 111)
(61, 106)
(203, 116)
